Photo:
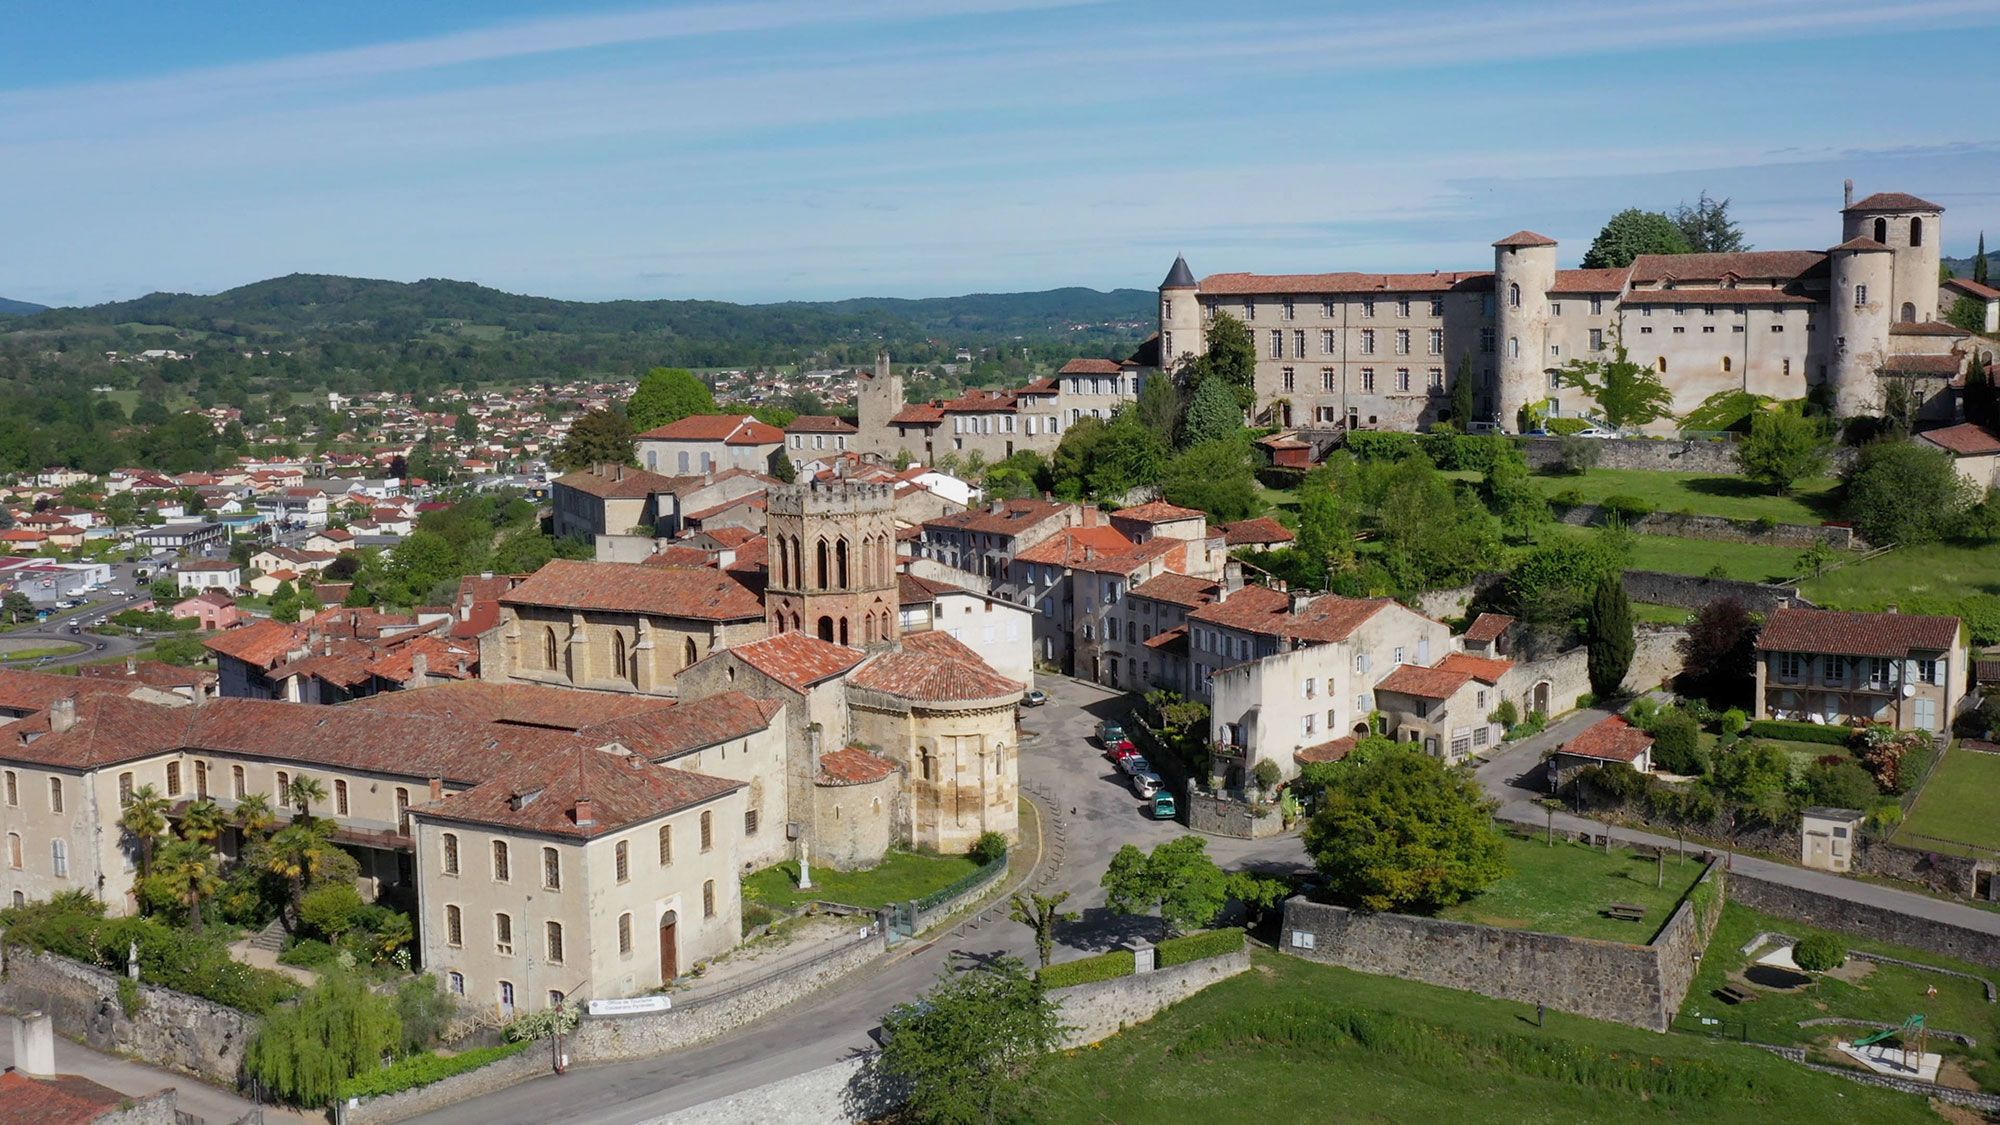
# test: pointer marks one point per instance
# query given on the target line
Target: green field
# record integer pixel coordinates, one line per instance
(1957, 803)
(1660, 614)
(900, 877)
(1564, 889)
(1734, 497)
(1291, 1041)
(1859, 990)
(1936, 571)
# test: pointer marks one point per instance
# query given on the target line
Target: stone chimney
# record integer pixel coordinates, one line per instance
(1847, 194)
(1301, 599)
(437, 789)
(585, 817)
(420, 669)
(62, 714)
(882, 363)
(1232, 575)
(35, 1045)
(997, 506)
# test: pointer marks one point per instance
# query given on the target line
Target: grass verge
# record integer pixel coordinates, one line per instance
(899, 877)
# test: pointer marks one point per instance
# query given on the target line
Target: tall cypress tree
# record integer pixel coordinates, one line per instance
(1979, 261)
(1461, 395)
(1611, 640)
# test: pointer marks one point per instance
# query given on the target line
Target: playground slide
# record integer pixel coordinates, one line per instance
(1914, 1023)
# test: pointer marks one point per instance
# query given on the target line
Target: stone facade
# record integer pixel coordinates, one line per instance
(833, 562)
(853, 823)
(961, 759)
(1869, 921)
(171, 1029)
(1692, 592)
(1225, 816)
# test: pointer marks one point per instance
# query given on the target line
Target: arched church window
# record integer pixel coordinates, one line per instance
(1916, 232)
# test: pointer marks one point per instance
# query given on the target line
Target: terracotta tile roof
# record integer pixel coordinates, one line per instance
(1856, 634)
(1325, 752)
(616, 482)
(821, 424)
(934, 668)
(979, 402)
(1487, 627)
(798, 660)
(1262, 529)
(1935, 365)
(1591, 281)
(1968, 286)
(918, 414)
(1041, 386)
(1863, 244)
(851, 765)
(1526, 238)
(1927, 328)
(260, 644)
(1013, 517)
(109, 728)
(25, 691)
(1090, 367)
(1715, 297)
(443, 658)
(664, 591)
(1172, 551)
(666, 732)
(677, 554)
(1252, 609)
(511, 704)
(1611, 740)
(1073, 545)
(1967, 439)
(754, 500)
(1253, 284)
(729, 429)
(1773, 264)
(64, 1099)
(1177, 589)
(731, 536)
(1422, 682)
(1893, 201)
(1267, 612)
(361, 738)
(1157, 511)
(1173, 642)
(150, 673)
(622, 790)
(912, 590)
(1482, 668)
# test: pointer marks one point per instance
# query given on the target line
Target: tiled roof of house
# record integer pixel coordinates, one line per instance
(1934, 365)
(1090, 367)
(1072, 545)
(851, 765)
(1267, 612)
(918, 414)
(1526, 238)
(1325, 752)
(1893, 201)
(1422, 682)
(1487, 628)
(1482, 668)
(1171, 552)
(798, 660)
(821, 424)
(546, 794)
(934, 668)
(63, 1099)
(1865, 245)
(666, 732)
(22, 690)
(1967, 439)
(150, 673)
(1177, 589)
(729, 429)
(912, 590)
(1591, 281)
(617, 482)
(1253, 284)
(1173, 642)
(1972, 288)
(360, 738)
(1772, 264)
(1157, 511)
(1836, 633)
(664, 591)
(1752, 296)
(512, 704)
(260, 644)
(1013, 517)
(1610, 740)
(1262, 529)
(108, 728)
(1938, 328)
(677, 554)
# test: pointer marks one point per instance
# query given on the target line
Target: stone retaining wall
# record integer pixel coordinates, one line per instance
(1693, 592)
(1640, 985)
(510, 1071)
(171, 1029)
(1225, 816)
(1879, 923)
(1720, 529)
(1101, 1009)
(1662, 455)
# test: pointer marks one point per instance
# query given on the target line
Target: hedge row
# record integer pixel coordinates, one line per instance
(1104, 966)
(1199, 947)
(1450, 452)
(424, 1069)
(1800, 732)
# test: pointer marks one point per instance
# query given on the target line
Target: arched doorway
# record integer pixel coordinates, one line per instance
(1538, 698)
(1909, 314)
(670, 953)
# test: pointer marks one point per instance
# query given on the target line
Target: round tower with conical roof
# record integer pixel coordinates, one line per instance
(1181, 335)
(1524, 270)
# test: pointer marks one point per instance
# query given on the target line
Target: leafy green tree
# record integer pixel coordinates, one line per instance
(338, 1029)
(1231, 356)
(1611, 639)
(465, 427)
(1718, 654)
(1126, 455)
(1819, 953)
(331, 908)
(1215, 477)
(965, 1046)
(667, 394)
(143, 820)
(302, 792)
(1633, 232)
(1905, 493)
(1431, 536)
(1327, 519)
(1510, 492)
(1212, 415)
(1677, 743)
(254, 815)
(187, 872)
(1979, 263)
(1784, 448)
(1706, 226)
(599, 437)
(1400, 830)
(203, 821)
(1978, 396)
(1840, 785)
(1463, 395)
(782, 467)
(1627, 393)
(1024, 474)
(1159, 405)
(1177, 880)
(285, 603)
(16, 607)
(1968, 314)
(550, 1023)
(303, 854)
(1042, 914)
(1752, 773)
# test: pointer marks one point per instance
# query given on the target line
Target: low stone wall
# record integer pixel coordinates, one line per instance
(1225, 816)
(1879, 923)
(1662, 455)
(171, 1029)
(1639, 985)
(1941, 872)
(1655, 659)
(512, 1070)
(1719, 529)
(1693, 592)
(962, 899)
(1101, 1009)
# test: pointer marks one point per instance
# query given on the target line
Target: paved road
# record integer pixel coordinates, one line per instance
(206, 1102)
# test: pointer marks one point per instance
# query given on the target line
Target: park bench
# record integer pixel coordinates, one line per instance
(1734, 995)
(1625, 912)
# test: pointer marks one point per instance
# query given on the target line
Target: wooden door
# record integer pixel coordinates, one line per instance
(669, 950)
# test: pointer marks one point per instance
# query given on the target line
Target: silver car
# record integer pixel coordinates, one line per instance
(1146, 784)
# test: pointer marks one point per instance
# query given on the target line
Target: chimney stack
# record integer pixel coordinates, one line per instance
(1847, 193)
(437, 789)
(35, 1045)
(585, 818)
(420, 669)
(62, 714)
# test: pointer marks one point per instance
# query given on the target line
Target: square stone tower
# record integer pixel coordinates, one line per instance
(832, 561)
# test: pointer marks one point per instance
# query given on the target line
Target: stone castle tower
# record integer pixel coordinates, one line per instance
(1181, 335)
(1524, 270)
(832, 561)
(1884, 273)
(878, 396)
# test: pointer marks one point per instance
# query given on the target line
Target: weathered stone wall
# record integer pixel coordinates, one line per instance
(157, 1109)
(1640, 985)
(513, 1069)
(1655, 658)
(1643, 453)
(1875, 922)
(1101, 1009)
(171, 1029)
(1723, 530)
(1223, 816)
(1685, 936)
(1693, 592)
(1948, 874)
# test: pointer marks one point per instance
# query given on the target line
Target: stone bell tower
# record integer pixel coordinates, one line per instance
(832, 561)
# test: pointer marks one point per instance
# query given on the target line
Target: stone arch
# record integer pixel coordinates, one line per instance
(840, 563)
(1513, 294)
(549, 647)
(843, 629)
(1909, 313)
(620, 656)
(1882, 231)
(826, 629)
(1725, 365)
(689, 653)
(821, 565)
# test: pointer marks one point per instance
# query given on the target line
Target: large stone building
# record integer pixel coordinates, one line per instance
(993, 423)
(1381, 350)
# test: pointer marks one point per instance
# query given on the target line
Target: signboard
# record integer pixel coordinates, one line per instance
(630, 1005)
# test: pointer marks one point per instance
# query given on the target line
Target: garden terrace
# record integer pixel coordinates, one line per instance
(900, 877)
(1954, 813)
(1565, 889)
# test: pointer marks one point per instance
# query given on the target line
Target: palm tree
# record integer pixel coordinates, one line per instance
(300, 853)
(203, 821)
(302, 792)
(254, 815)
(144, 818)
(189, 872)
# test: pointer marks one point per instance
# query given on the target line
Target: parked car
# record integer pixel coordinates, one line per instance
(1146, 784)
(1120, 752)
(1163, 806)
(1135, 764)
(1110, 734)
(1034, 698)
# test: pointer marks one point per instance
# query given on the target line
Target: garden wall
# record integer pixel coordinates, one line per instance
(1655, 659)
(499, 1075)
(1668, 456)
(1101, 1009)
(170, 1029)
(979, 890)
(1640, 985)
(1723, 530)
(1225, 816)
(1693, 592)
(1877, 922)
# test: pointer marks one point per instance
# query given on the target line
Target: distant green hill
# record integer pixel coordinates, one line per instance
(19, 308)
(1962, 267)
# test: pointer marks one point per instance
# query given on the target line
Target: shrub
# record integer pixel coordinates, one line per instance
(1104, 966)
(1733, 722)
(1677, 743)
(1268, 774)
(1789, 730)
(1506, 714)
(309, 953)
(1562, 427)
(1579, 454)
(1841, 783)
(1819, 953)
(1587, 699)
(424, 1069)
(989, 848)
(1629, 509)
(1567, 498)
(1199, 947)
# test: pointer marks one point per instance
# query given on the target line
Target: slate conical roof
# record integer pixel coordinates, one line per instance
(1180, 277)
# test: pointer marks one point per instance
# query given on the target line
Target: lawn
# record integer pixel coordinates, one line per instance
(1734, 497)
(1294, 1041)
(898, 878)
(1660, 614)
(1858, 990)
(1562, 890)
(1936, 572)
(1957, 803)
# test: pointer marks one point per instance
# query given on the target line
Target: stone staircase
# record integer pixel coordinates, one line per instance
(270, 939)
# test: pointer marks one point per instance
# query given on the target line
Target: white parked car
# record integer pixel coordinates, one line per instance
(1135, 764)
(1146, 784)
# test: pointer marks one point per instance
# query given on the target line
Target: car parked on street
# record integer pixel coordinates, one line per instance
(1146, 784)
(1110, 734)
(1035, 697)
(1164, 807)
(1135, 764)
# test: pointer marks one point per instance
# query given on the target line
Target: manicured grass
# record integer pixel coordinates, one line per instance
(1749, 562)
(1957, 803)
(1563, 889)
(1208, 1060)
(1858, 990)
(899, 877)
(1660, 614)
(1811, 503)
(1935, 572)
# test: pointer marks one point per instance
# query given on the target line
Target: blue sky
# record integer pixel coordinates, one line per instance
(827, 148)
